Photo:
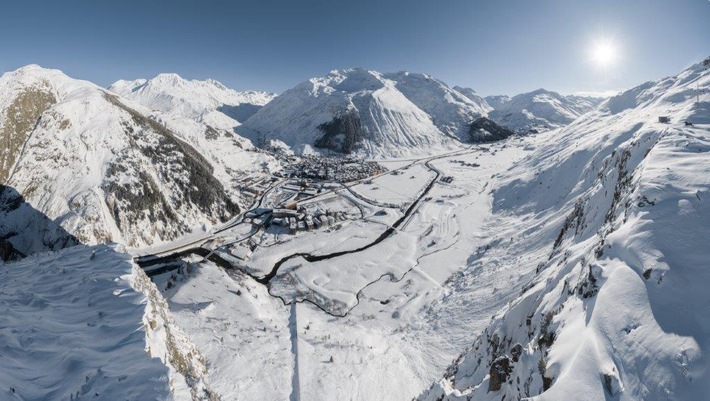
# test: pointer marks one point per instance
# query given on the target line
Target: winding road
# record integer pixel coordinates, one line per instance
(172, 261)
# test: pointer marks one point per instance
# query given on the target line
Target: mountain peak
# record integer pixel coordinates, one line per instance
(34, 70)
(538, 110)
(382, 114)
(30, 67)
(541, 91)
(168, 78)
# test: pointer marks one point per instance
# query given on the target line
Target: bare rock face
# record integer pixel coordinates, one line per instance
(17, 122)
(516, 351)
(8, 252)
(500, 373)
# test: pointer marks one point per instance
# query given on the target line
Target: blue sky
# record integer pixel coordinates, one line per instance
(503, 46)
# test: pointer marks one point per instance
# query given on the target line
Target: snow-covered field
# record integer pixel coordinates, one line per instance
(397, 188)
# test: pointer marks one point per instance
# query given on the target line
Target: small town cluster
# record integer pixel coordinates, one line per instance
(336, 169)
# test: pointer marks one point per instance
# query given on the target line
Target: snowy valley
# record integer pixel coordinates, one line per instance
(360, 236)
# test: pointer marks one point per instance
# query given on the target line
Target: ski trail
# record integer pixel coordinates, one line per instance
(293, 328)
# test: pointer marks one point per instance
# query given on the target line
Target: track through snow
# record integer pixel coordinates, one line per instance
(384, 329)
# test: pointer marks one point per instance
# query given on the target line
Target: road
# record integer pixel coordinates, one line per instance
(168, 261)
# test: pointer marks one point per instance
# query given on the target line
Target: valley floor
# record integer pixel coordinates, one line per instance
(377, 325)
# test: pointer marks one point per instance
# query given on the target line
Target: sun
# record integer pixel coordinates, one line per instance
(604, 53)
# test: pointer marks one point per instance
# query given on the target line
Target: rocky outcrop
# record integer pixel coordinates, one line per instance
(167, 341)
(8, 252)
(17, 122)
(500, 373)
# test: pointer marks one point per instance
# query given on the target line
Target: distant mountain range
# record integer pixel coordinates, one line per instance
(369, 113)
(539, 111)
(397, 114)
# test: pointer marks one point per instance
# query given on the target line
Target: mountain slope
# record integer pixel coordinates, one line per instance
(368, 113)
(475, 97)
(99, 167)
(73, 328)
(205, 114)
(25, 231)
(608, 218)
(496, 101)
(540, 110)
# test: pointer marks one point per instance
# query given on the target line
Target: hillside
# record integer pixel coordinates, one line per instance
(605, 224)
(205, 114)
(98, 166)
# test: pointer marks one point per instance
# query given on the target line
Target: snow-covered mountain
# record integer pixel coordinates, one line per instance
(496, 101)
(200, 100)
(568, 265)
(538, 111)
(369, 113)
(205, 114)
(609, 219)
(98, 166)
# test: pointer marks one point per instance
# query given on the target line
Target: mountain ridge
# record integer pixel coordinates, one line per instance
(98, 166)
(399, 113)
(612, 255)
(539, 110)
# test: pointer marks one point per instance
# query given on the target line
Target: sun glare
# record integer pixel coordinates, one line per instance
(604, 53)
